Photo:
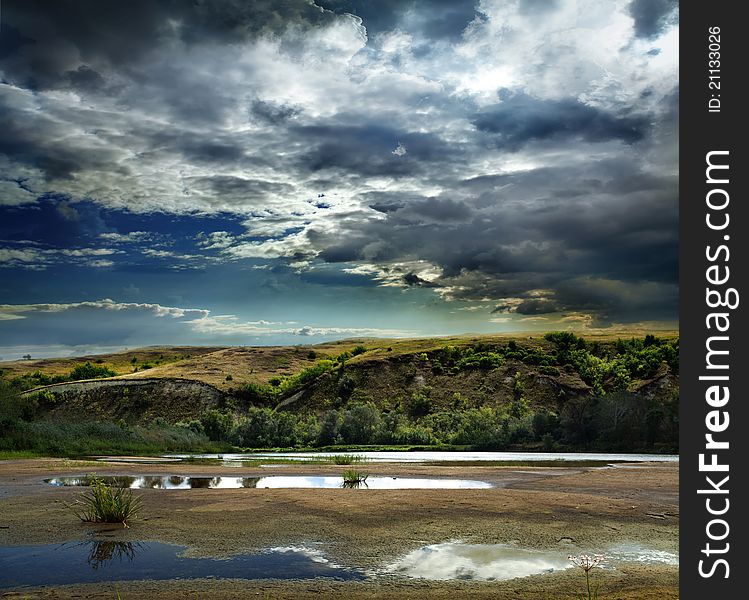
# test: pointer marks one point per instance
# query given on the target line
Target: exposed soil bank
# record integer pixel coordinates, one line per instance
(571, 510)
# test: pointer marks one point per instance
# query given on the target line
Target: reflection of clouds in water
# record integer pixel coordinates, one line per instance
(313, 554)
(283, 481)
(476, 561)
(641, 554)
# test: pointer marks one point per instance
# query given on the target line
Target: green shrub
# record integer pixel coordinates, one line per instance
(547, 370)
(90, 371)
(413, 435)
(419, 405)
(361, 424)
(470, 359)
(193, 425)
(217, 424)
(345, 387)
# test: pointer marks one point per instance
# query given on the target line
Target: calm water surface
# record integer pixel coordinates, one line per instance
(97, 561)
(560, 458)
(178, 482)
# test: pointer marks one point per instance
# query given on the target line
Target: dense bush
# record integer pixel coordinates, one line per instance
(217, 424)
(91, 371)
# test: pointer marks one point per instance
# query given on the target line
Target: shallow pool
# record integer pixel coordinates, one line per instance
(179, 482)
(484, 562)
(495, 562)
(96, 561)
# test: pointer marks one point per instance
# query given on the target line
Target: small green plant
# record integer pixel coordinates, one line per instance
(102, 503)
(346, 459)
(587, 563)
(354, 479)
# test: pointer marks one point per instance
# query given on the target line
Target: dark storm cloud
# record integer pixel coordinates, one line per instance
(46, 40)
(519, 119)
(370, 150)
(211, 152)
(652, 16)
(250, 189)
(24, 148)
(537, 306)
(85, 78)
(439, 209)
(412, 279)
(11, 41)
(619, 236)
(273, 114)
(45, 145)
(385, 207)
(418, 209)
(611, 301)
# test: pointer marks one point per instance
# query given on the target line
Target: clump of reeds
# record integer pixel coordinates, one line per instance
(354, 479)
(346, 459)
(103, 503)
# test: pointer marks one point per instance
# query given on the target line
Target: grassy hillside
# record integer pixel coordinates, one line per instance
(495, 391)
(120, 362)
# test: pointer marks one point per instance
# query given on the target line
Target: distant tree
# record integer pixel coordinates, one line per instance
(329, 428)
(360, 424)
(27, 356)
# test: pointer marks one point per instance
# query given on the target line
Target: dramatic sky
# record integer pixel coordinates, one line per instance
(290, 171)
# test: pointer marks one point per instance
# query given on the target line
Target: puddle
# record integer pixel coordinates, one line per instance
(177, 482)
(481, 562)
(494, 562)
(96, 561)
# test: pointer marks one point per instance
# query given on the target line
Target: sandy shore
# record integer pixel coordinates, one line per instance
(566, 509)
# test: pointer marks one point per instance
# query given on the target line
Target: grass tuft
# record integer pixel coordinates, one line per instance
(102, 503)
(354, 479)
